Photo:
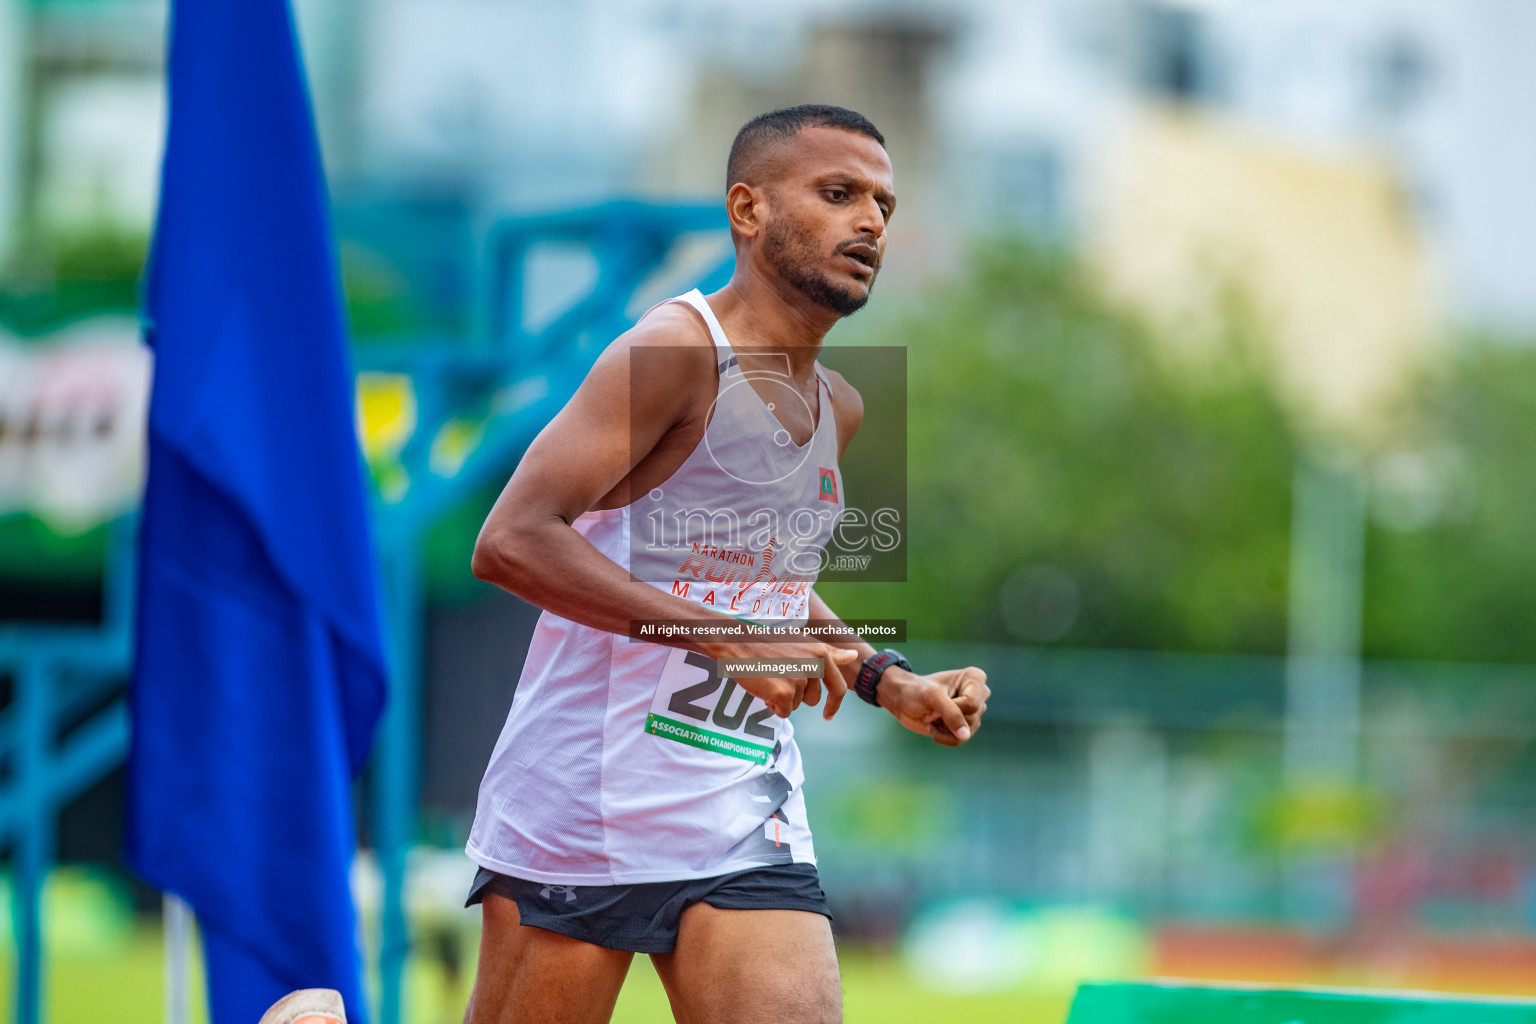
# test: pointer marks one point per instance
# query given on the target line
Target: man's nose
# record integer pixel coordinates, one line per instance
(868, 218)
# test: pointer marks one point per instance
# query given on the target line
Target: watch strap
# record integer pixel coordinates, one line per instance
(870, 673)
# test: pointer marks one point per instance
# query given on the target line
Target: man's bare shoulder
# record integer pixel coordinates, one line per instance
(674, 324)
(665, 362)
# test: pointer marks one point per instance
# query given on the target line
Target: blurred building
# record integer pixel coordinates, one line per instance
(998, 114)
(82, 119)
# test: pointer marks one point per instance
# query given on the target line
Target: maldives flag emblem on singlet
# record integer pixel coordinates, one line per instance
(828, 485)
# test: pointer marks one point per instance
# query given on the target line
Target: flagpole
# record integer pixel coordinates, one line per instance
(177, 920)
(396, 767)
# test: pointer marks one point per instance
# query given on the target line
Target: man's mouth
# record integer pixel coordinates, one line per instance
(865, 257)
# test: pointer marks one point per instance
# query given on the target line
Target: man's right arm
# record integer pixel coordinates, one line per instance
(620, 413)
(623, 408)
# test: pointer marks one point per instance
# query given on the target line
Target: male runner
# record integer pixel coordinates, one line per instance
(637, 801)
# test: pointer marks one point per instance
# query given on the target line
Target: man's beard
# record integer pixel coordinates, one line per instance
(793, 255)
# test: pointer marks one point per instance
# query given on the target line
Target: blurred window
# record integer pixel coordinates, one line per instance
(1173, 54)
(1028, 189)
(1399, 74)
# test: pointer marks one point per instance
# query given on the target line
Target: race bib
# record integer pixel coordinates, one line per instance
(696, 706)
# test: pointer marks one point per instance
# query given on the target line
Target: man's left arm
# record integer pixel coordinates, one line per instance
(945, 705)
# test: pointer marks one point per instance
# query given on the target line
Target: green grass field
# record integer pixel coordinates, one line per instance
(106, 965)
(114, 974)
(124, 984)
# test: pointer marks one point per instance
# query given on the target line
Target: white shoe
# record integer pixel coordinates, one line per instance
(307, 1006)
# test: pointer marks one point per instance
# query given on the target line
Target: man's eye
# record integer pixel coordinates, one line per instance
(836, 194)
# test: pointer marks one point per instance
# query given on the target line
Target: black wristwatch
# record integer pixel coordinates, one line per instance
(871, 671)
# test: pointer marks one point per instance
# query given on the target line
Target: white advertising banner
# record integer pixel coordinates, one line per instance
(73, 408)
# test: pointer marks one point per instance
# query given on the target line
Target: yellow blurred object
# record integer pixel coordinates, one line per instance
(386, 414)
(1322, 816)
(1198, 219)
(453, 444)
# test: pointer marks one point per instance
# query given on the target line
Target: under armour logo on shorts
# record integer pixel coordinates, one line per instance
(569, 892)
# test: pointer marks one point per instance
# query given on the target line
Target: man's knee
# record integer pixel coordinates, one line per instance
(801, 1001)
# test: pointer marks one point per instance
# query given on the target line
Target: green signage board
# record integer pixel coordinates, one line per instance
(1183, 1003)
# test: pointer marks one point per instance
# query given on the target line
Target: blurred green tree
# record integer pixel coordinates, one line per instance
(1071, 482)
(1451, 554)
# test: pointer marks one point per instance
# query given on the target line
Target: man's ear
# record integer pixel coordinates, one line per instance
(747, 208)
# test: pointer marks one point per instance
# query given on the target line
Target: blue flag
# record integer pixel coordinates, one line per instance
(259, 672)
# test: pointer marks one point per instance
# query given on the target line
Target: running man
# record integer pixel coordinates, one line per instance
(637, 801)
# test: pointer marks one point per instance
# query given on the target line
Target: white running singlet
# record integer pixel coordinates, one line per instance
(624, 762)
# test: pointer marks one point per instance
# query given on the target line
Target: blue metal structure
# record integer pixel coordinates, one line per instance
(65, 728)
(67, 724)
(501, 387)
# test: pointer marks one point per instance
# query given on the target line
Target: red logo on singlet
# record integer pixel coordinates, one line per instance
(828, 485)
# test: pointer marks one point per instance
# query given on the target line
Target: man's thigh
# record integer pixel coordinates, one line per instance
(752, 967)
(534, 975)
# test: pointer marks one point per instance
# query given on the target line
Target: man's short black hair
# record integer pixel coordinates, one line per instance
(765, 130)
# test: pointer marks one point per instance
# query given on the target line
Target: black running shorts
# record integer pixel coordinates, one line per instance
(643, 918)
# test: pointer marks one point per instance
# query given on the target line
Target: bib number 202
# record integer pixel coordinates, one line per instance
(709, 712)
